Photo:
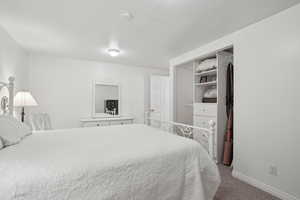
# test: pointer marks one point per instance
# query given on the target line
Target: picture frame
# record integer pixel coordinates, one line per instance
(203, 79)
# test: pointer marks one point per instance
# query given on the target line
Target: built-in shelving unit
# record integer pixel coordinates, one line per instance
(217, 76)
(191, 85)
(213, 79)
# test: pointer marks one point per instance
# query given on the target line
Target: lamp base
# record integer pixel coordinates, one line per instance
(23, 114)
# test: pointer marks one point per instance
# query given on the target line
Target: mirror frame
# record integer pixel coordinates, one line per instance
(104, 115)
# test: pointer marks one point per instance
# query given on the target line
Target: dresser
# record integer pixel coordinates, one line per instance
(203, 113)
(108, 121)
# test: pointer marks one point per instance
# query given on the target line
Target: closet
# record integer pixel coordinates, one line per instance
(200, 93)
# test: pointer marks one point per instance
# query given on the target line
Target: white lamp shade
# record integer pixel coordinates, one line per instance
(24, 98)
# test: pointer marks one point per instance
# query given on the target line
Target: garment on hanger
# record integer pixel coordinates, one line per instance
(228, 143)
(229, 89)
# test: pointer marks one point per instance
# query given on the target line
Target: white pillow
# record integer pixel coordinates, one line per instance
(12, 130)
(1, 144)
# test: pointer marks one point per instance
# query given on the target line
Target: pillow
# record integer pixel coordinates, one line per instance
(12, 131)
(1, 144)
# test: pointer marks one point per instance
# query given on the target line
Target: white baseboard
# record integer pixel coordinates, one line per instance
(267, 188)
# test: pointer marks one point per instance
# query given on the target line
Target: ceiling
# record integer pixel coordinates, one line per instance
(160, 30)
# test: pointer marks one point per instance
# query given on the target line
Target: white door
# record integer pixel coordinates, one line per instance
(159, 98)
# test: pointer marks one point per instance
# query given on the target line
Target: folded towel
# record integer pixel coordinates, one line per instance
(210, 93)
(207, 64)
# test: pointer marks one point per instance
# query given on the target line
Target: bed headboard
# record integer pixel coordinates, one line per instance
(7, 102)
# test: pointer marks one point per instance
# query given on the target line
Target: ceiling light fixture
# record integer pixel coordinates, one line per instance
(113, 52)
(126, 15)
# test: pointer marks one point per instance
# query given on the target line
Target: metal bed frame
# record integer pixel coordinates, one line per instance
(205, 136)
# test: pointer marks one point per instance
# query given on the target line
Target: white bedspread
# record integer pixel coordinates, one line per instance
(130, 162)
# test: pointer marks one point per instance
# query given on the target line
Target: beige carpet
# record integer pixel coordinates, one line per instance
(233, 189)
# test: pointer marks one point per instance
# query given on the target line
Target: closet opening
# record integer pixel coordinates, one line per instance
(203, 91)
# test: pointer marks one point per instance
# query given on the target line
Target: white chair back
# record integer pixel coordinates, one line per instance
(40, 121)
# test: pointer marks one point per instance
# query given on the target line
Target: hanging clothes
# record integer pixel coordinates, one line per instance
(228, 143)
(229, 89)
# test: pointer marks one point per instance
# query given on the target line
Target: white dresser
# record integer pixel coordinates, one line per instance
(109, 121)
(203, 113)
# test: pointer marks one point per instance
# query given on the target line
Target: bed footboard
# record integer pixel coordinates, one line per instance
(205, 136)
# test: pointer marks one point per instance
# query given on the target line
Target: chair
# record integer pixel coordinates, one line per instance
(40, 121)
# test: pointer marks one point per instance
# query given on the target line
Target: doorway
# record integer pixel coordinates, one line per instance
(159, 98)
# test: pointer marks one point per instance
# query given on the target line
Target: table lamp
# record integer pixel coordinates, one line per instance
(24, 99)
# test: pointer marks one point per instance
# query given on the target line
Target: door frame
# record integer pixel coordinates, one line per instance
(168, 100)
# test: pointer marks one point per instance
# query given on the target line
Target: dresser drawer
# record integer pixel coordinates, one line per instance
(120, 122)
(203, 121)
(92, 122)
(205, 109)
(95, 124)
(115, 123)
(126, 122)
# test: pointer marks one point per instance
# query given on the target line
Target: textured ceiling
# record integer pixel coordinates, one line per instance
(161, 29)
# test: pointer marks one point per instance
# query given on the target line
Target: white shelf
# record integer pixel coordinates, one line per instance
(206, 84)
(210, 72)
(208, 103)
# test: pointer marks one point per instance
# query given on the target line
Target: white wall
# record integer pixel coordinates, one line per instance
(267, 100)
(63, 87)
(13, 60)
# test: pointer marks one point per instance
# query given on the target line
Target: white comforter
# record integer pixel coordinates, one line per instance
(132, 162)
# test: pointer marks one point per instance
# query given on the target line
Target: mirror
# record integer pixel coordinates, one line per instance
(106, 100)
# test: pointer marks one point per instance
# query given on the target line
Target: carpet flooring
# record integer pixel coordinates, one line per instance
(234, 189)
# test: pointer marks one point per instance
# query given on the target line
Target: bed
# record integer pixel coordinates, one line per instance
(128, 162)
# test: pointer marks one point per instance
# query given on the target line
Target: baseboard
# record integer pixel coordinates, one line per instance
(267, 188)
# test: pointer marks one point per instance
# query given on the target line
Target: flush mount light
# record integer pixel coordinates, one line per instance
(126, 15)
(113, 52)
